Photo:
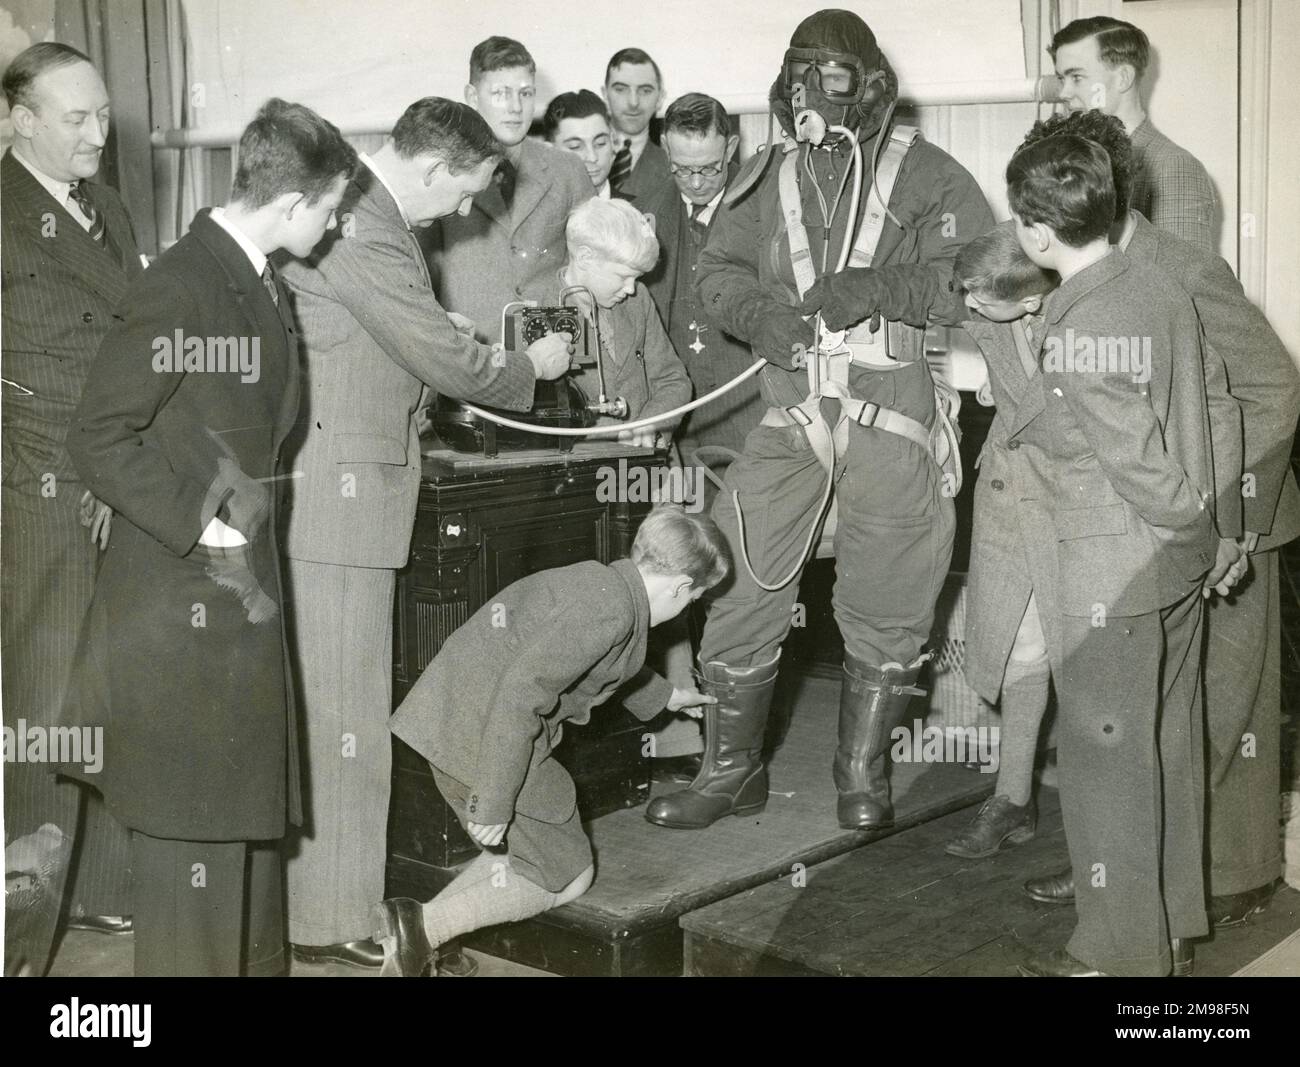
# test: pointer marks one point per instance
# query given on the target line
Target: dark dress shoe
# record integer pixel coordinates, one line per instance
(102, 924)
(676, 768)
(1058, 964)
(997, 822)
(362, 953)
(1235, 909)
(1054, 889)
(399, 927)
(1184, 953)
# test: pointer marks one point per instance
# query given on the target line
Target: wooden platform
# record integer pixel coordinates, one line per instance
(903, 907)
(648, 877)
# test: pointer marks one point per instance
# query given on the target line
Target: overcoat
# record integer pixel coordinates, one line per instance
(183, 656)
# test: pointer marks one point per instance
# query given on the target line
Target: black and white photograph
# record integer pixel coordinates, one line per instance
(714, 488)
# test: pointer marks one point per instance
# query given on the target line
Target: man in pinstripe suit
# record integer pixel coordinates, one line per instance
(1100, 62)
(373, 340)
(69, 251)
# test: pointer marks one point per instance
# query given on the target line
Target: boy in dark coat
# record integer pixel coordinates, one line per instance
(183, 654)
(488, 712)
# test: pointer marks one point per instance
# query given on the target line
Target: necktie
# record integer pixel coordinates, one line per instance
(506, 177)
(699, 228)
(622, 168)
(268, 279)
(77, 194)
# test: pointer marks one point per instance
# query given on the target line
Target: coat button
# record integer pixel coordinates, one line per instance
(998, 483)
(1013, 445)
(87, 317)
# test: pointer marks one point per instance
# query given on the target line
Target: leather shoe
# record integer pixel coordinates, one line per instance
(102, 924)
(1235, 909)
(364, 953)
(1053, 889)
(399, 926)
(1058, 964)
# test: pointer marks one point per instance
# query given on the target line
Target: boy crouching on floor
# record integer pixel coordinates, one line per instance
(487, 714)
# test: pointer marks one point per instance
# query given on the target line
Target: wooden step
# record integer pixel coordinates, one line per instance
(648, 877)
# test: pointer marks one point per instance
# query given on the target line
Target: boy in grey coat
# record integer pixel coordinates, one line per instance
(1122, 458)
(488, 712)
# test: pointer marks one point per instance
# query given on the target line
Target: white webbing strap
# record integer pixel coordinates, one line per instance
(878, 193)
(805, 274)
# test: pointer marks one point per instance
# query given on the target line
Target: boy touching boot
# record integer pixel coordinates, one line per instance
(487, 714)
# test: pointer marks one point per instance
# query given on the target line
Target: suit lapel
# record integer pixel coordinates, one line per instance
(381, 202)
(265, 320)
(53, 229)
(532, 185)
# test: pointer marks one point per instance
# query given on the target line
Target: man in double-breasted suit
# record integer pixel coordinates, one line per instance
(374, 340)
(183, 658)
(69, 253)
(1122, 457)
(510, 243)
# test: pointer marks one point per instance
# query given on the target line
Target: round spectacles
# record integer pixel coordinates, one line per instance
(709, 170)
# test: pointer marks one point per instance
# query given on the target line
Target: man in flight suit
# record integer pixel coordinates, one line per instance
(871, 423)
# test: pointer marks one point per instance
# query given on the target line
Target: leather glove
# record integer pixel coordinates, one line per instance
(779, 332)
(846, 298)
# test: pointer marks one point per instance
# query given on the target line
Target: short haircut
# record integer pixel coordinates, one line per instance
(614, 229)
(671, 541)
(1064, 182)
(498, 53)
(1107, 131)
(1118, 42)
(995, 265)
(448, 129)
(580, 105)
(31, 63)
(289, 148)
(635, 56)
(697, 115)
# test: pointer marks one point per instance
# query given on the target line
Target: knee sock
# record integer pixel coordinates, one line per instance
(1024, 701)
(485, 893)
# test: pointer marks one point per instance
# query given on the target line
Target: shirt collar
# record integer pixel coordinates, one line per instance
(384, 182)
(706, 216)
(255, 255)
(57, 189)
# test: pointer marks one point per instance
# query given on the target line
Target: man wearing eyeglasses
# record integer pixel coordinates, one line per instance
(701, 152)
(511, 243)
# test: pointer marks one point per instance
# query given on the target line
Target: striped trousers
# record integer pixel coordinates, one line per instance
(49, 566)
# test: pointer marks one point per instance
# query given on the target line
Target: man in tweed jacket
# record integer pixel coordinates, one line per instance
(374, 339)
(1100, 62)
(69, 252)
(508, 245)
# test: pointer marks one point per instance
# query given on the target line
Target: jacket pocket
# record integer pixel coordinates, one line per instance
(368, 448)
(1108, 520)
